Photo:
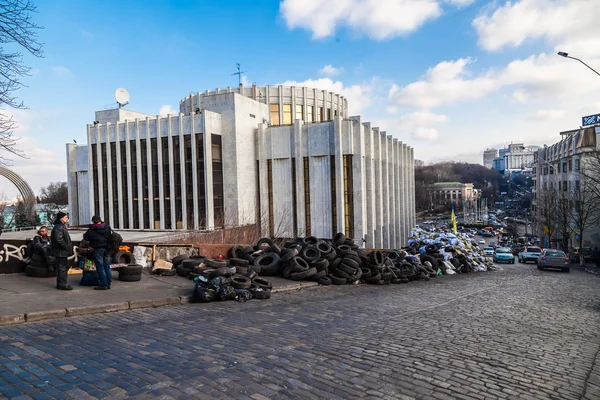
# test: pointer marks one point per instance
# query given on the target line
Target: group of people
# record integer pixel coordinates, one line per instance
(57, 248)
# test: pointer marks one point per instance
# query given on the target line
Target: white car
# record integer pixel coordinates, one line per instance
(481, 241)
(488, 251)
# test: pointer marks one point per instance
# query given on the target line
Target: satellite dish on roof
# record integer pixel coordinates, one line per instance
(122, 97)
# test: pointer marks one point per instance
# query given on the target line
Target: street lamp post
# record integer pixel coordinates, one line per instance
(566, 55)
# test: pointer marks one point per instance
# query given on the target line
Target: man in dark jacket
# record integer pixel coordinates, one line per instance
(98, 235)
(62, 249)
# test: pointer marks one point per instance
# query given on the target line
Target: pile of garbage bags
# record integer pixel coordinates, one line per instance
(340, 261)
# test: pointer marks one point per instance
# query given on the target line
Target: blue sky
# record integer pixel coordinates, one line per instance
(449, 77)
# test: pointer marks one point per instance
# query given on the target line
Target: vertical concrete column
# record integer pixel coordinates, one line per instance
(171, 172)
(182, 169)
(280, 102)
(161, 179)
(370, 183)
(263, 178)
(299, 160)
(119, 223)
(412, 188)
(339, 174)
(385, 191)
(407, 228)
(293, 91)
(99, 170)
(150, 175)
(305, 105)
(315, 104)
(392, 178)
(129, 176)
(140, 186)
(91, 171)
(195, 172)
(397, 209)
(359, 179)
(110, 217)
(402, 177)
(208, 175)
(378, 149)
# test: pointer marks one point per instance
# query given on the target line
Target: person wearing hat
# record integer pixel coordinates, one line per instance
(62, 248)
(97, 235)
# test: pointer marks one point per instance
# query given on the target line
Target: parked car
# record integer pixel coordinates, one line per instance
(481, 241)
(551, 258)
(503, 254)
(493, 244)
(587, 255)
(488, 251)
(487, 234)
(480, 232)
(516, 249)
(529, 254)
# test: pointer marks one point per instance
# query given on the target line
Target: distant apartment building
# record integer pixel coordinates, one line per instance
(444, 193)
(488, 158)
(515, 157)
(557, 168)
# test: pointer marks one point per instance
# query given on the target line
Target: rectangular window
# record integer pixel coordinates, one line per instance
(321, 116)
(348, 196)
(333, 196)
(570, 165)
(96, 210)
(577, 186)
(115, 185)
(201, 180)
(166, 182)
(145, 148)
(300, 112)
(329, 114)
(217, 166)
(577, 165)
(306, 196)
(564, 186)
(259, 212)
(287, 114)
(294, 200)
(155, 183)
(105, 193)
(270, 190)
(564, 168)
(189, 181)
(123, 145)
(177, 175)
(134, 185)
(310, 110)
(274, 115)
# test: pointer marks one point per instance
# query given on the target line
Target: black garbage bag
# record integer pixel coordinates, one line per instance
(242, 295)
(203, 294)
(220, 281)
(226, 292)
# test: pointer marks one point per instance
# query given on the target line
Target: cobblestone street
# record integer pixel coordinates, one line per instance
(515, 333)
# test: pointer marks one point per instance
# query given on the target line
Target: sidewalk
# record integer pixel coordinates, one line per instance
(27, 299)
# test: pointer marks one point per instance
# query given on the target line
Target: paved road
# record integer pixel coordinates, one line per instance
(516, 333)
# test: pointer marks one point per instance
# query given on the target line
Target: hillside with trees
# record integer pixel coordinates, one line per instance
(484, 179)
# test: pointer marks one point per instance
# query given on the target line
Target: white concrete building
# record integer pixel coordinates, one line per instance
(557, 168)
(488, 158)
(290, 158)
(516, 156)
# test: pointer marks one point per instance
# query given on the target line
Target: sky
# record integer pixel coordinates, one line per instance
(449, 77)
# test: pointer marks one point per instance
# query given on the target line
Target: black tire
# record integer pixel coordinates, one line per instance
(374, 279)
(182, 271)
(241, 270)
(178, 259)
(37, 272)
(338, 281)
(366, 273)
(239, 262)
(131, 269)
(376, 257)
(310, 253)
(288, 254)
(262, 241)
(396, 281)
(299, 276)
(318, 275)
(310, 241)
(216, 264)
(260, 294)
(236, 252)
(240, 282)
(274, 249)
(269, 264)
(324, 248)
(168, 272)
(198, 269)
(262, 283)
(38, 258)
(351, 263)
(251, 274)
(320, 265)
(339, 239)
(326, 281)
(130, 278)
(123, 257)
(190, 263)
(38, 264)
(344, 247)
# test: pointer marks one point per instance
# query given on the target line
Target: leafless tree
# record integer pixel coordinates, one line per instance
(545, 215)
(590, 172)
(55, 198)
(16, 28)
(564, 219)
(585, 208)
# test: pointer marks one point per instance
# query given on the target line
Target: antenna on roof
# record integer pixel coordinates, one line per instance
(239, 73)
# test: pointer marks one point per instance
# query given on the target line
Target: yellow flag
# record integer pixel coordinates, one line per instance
(453, 217)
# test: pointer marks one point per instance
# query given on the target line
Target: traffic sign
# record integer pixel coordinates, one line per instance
(590, 120)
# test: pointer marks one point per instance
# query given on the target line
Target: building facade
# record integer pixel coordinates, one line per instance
(488, 158)
(556, 174)
(516, 156)
(445, 193)
(289, 158)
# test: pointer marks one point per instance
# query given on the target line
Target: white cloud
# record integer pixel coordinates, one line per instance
(425, 134)
(570, 25)
(374, 18)
(545, 115)
(62, 71)
(166, 109)
(330, 70)
(445, 83)
(460, 3)
(357, 95)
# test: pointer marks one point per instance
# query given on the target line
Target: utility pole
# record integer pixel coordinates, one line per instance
(239, 73)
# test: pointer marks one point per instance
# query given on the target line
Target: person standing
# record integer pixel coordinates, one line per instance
(97, 235)
(62, 248)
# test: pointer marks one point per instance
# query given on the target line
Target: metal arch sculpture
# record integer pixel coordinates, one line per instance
(24, 188)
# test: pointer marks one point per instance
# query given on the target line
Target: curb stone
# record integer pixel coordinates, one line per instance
(12, 319)
(41, 315)
(86, 310)
(295, 287)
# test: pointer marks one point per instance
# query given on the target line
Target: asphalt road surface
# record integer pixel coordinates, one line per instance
(516, 333)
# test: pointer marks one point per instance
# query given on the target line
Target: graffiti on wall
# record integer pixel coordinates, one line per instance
(13, 252)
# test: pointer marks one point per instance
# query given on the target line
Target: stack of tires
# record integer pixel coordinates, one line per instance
(38, 267)
(130, 273)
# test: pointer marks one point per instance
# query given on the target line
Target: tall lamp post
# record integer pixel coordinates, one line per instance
(566, 55)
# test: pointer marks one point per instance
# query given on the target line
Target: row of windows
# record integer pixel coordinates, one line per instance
(127, 153)
(322, 114)
(564, 167)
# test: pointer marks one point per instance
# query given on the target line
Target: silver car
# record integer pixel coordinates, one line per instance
(550, 258)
